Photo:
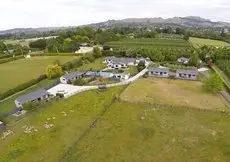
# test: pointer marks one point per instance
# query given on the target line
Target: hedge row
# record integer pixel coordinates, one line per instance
(10, 59)
(22, 87)
(57, 54)
(4, 56)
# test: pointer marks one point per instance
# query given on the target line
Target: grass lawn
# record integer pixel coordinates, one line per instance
(20, 71)
(173, 92)
(161, 135)
(96, 65)
(50, 144)
(199, 42)
(8, 105)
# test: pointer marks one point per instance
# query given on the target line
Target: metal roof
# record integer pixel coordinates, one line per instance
(159, 69)
(72, 75)
(193, 72)
(121, 60)
(32, 96)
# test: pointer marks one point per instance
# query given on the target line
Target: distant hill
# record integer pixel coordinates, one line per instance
(32, 30)
(187, 22)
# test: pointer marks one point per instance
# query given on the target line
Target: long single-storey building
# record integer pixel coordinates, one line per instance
(159, 72)
(187, 74)
(38, 95)
(119, 62)
(68, 77)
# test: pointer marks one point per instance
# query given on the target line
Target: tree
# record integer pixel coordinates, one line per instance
(186, 36)
(194, 60)
(214, 84)
(40, 44)
(57, 62)
(53, 45)
(53, 71)
(141, 66)
(2, 47)
(97, 52)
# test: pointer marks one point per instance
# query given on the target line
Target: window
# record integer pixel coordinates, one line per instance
(165, 72)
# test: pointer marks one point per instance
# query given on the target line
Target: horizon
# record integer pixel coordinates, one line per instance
(105, 21)
(62, 13)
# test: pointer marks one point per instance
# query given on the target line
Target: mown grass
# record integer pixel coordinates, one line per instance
(150, 43)
(134, 132)
(199, 42)
(96, 65)
(20, 71)
(174, 92)
(50, 144)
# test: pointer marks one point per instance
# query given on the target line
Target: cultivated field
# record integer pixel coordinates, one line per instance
(133, 133)
(199, 42)
(25, 42)
(20, 71)
(150, 43)
(69, 118)
(173, 92)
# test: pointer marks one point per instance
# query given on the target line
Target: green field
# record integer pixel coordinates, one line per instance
(126, 132)
(199, 42)
(24, 42)
(20, 71)
(50, 144)
(132, 132)
(150, 43)
(174, 92)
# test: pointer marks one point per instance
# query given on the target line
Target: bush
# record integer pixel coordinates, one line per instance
(22, 87)
(214, 84)
(53, 71)
(79, 82)
(141, 66)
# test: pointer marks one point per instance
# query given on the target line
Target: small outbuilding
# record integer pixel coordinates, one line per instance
(38, 95)
(183, 60)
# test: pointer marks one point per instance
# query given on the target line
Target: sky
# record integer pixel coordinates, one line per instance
(55, 13)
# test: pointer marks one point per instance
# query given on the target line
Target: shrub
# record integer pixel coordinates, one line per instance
(79, 82)
(141, 66)
(10, 59)
(214, 84)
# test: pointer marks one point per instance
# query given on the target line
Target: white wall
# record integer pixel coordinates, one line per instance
(63, 80)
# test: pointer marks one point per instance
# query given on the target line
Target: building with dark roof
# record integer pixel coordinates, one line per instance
(38, 95)
(187, 74)
(159, 72)
(68, 77)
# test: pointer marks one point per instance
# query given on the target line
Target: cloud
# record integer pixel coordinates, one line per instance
(42, 13)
